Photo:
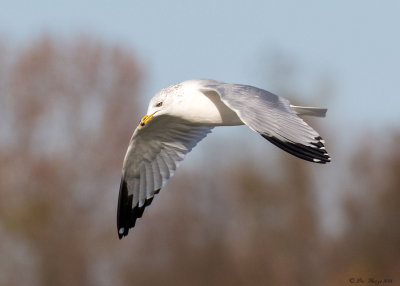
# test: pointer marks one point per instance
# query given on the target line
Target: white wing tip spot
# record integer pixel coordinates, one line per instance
(121, 230)
(316, 160)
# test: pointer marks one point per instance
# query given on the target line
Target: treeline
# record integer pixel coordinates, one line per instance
(67, 111)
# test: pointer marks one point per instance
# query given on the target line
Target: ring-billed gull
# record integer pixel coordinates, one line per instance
(181, 115)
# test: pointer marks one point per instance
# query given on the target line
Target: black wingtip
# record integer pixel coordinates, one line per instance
(126, 213)
(124, 210)
(315, 153)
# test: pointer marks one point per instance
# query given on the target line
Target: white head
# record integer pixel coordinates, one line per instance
(161, 103)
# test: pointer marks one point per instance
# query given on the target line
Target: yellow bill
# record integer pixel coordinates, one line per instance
(145, 119)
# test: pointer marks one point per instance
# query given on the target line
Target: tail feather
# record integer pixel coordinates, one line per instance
(310, 111)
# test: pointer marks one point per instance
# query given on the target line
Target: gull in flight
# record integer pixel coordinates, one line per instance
(181, 115)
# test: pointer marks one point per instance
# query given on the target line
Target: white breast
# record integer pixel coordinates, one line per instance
(205, 108)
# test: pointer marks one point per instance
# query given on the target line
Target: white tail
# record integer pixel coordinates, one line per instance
(310, 111)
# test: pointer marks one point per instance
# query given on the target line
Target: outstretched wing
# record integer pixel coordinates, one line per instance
(272, 117)
(153, 155)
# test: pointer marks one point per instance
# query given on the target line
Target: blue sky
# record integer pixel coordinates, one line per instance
(356, 43)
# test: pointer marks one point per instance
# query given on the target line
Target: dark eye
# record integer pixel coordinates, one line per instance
(159, 104)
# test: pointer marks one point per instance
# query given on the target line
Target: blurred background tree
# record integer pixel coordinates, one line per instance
(67, 111)
(66, 120)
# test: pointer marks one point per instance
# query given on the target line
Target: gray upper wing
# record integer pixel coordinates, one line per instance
(271, 116)
(153, 155)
